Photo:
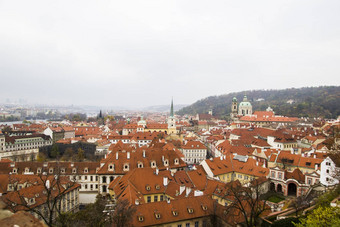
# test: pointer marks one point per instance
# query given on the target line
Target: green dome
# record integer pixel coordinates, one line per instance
(245, 102)
(234, 99)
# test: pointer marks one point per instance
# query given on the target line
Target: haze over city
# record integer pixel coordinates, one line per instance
(141, 53)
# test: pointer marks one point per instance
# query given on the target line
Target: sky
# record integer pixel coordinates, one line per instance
(144, 52)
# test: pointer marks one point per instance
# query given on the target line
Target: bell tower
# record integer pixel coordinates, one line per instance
(233, 113)
(172, 120)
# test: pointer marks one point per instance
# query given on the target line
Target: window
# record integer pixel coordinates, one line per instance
(140, 218)
(327, 171)
(179, 225)
(187, 225)
(309, 181)
(196, 223)
(161, 198)
(86, 170)
(280, 175)
(149, 199)
(273, 174)
(74, 170)
(190, 210)
(158, 216)
(155, 198)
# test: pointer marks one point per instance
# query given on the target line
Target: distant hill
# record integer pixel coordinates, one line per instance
(321, 101)
(163, 108)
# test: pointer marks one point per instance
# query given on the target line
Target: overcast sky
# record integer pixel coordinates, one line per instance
(143, 52)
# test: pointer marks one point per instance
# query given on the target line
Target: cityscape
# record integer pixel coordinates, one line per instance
(169, 113)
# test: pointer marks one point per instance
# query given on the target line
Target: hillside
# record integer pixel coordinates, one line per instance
(308, 102)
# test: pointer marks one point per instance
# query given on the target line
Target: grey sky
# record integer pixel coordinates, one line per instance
(140, 53)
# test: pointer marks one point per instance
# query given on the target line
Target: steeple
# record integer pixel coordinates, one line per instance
(172, 108)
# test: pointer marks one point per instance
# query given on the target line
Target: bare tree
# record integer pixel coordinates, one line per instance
(248, 201)
(122, 213)
(45, 195)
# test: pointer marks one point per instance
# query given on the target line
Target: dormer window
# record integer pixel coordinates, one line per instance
(140, 165)
(190, 210)
(175, 213)
(166, 162)
(74, 170)
(153, 164)
(147, 187)
(140, 218)
(111, 167)
(62, 170)
(50, 170)
(27, 170)
(157, 215)
(176, 161)
(86, 170)
(157, 186)
(204, 207)
(39, 170)
(126, 167)
(14, 170)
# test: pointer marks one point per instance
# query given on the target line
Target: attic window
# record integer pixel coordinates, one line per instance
(176, 161)
(190, 210)
(153, 164)
(204, 207)
(39, 170)
(157, 186)
(147, 187)
(308, 163)
(74, 170)
(62, 170)
(140, 218)
(126, 167)
(50, 170)
(86, 170)
(174, 213)
(158, 216)
(166, 162)
(111, 167)
(140, 165)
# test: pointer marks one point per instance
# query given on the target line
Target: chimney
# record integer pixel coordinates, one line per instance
(157, 171)
(257, 163)
(316, 167)
(165, 181)
(128, 155)
(314, 156)
(187, 191)
(181, 189)
(143, 153)
(47, 184)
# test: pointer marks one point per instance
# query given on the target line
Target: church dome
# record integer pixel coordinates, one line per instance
(245, 102)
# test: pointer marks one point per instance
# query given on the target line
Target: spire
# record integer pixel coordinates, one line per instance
(172, 108)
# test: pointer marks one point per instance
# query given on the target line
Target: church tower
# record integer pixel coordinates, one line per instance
(233, 113)
(172, 120)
